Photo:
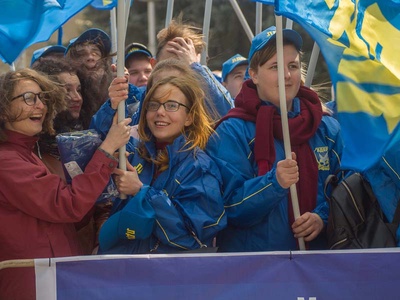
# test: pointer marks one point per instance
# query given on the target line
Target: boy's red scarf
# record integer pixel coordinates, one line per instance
(269, 127)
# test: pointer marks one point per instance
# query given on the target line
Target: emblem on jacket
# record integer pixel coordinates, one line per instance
(321, 154)
(139, 168)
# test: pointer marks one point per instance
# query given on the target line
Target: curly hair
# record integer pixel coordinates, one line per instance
(54, 98)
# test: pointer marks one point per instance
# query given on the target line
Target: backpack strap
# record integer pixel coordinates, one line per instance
(396, 217)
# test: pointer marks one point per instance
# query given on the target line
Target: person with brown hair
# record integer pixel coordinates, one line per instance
(182, 184)
(37, 208)
(248, 148)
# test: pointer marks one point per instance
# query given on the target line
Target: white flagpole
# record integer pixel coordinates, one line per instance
(113, 29)
(285, 122)
(242, 19)
(312, 65)
(121, 28)
(258, 18)
(170, 9)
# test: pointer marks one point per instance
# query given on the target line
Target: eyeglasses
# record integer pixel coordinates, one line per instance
(30, 98)
(170, 105)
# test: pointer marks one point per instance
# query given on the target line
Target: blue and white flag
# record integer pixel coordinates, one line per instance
(360, 40)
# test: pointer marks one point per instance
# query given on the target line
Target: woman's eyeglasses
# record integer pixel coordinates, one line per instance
(30, 98)
(170, 105)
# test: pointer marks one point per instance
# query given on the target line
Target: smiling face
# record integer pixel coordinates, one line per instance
(266, 77)
(29, 119)
(74, 97)
(167, 126)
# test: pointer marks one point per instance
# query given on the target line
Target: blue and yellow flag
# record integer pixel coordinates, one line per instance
(360, 41)
(104, 4)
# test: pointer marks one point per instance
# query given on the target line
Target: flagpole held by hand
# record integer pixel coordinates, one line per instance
(284, 117)
(121, 27)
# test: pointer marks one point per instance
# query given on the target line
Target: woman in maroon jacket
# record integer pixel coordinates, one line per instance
(37, 209)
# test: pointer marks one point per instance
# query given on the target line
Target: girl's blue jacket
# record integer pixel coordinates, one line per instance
(186, 197)
(257, 206)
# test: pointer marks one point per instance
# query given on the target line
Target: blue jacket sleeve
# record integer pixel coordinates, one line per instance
(248, 198)
(195, 205)
(216, 91)
(102, 119)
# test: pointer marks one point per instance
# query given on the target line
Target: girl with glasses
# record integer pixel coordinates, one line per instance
(37, 208)
(182, 184)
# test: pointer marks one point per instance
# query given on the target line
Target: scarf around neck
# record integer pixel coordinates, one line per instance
(302, 127)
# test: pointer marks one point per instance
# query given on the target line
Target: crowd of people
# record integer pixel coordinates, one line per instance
(206, 165)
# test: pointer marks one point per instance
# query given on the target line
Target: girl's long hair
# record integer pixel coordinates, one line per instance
(196, 134)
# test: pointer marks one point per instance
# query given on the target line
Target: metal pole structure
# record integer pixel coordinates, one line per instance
(312, 65)
(170, 10)
(289, 24)
(151, 25)
(206, 30)
(121, 28)
(242, 20)
(285, 122)
(127, 10)
(113, 29)
(258, 18)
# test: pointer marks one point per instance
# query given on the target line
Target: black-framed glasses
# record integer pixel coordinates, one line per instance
(30, 98)
(170, 105)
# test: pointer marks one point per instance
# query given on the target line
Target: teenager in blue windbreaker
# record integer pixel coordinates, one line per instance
(180, 185)
(248, 148)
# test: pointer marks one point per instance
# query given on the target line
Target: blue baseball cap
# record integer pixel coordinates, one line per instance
(135, 221)
(42, 52)
(96, 36)
(134, 48)
(233, 62)
(269, 34)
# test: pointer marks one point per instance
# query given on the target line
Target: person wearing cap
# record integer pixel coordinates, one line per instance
(90, 47)
(138, 61)
(53, 51)
(174, 188)
(90, 54)
(233, 72)
(248, 147)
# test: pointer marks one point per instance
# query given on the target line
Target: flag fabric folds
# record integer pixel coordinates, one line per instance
(104, 4)
(360, 41)
(26, 22)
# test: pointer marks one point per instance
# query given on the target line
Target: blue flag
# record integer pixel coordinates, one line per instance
(104, 4)
(19, 20)
(360, 41)
(25, 22)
